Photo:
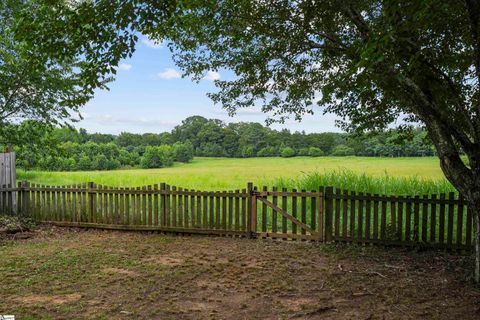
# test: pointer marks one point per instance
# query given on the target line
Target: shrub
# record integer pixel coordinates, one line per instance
(68, 164)
(248, 152)
(342, 151)
(158, 157)
(113, 164)
(287, 152)
(267, 152)
(100, 162)
(315, 152)
(183, 151)
(303, 152)
(211, 149)
(84, 162)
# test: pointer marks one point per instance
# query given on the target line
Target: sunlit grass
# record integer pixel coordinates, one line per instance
(376, 175)
(349, 180)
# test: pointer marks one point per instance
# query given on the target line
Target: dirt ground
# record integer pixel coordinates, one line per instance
(92, 274)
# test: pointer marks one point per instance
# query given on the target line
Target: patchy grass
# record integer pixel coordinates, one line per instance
(69, 273)
(367, 174)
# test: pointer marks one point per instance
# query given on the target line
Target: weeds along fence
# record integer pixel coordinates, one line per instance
(325, 214)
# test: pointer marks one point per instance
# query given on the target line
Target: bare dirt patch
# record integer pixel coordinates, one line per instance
(121, 271)
(44, 299)
(164, 260)
(168, 277)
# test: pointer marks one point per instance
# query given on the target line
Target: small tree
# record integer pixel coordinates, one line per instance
(287, 152)
(303, 152)
(84, 162)
(158, 157)
(342, 151)
(315, 152)
(183, 151)
(267, 152)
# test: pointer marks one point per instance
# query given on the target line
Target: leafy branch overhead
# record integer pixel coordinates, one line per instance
(55, 54)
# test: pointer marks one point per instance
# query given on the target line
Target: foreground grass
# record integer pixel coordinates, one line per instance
(358, 173)
(72, 274)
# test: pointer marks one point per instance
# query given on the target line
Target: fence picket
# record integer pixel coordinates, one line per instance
(459, 222)
(360, 218)
(383, 223)
(185, 209)
(368, 218)
(264, 214)
(451, 213)
(433, 218)
(344, 204)
(375, 217)
(441, 225)
(337, 214)
(352, 215)
(424, 218)
(284, 207)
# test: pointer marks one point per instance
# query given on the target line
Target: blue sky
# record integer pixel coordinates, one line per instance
(149, 95)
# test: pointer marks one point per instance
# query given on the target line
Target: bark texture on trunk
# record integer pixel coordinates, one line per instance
(477, 247)
(475, 207)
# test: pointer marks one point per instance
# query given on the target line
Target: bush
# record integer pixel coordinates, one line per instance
(183, 151)
(315, 152)
(211, 149)
(267, 152)
(248, 152)
(100, 162)
(342, 151)
(158, 157)
(84, 163)
(113, 164)
(67, 164)
(303, 152)
(287, 152)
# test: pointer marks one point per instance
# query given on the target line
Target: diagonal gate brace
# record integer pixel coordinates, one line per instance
(288, 216)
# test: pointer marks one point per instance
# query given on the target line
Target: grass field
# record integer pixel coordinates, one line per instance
(378, 175)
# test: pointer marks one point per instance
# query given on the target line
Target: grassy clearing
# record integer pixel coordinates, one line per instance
(376, 175)
(73, 274)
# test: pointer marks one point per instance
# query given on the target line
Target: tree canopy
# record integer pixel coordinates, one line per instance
(373, 63)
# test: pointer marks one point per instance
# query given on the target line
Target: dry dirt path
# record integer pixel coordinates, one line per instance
(67, 274)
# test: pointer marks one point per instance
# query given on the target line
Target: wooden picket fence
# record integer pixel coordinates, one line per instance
(324, 214)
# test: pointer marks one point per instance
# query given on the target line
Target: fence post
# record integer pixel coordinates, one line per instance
(252, 211)
(321, 213)
(163, 205)
(91, 201)
(328, 213)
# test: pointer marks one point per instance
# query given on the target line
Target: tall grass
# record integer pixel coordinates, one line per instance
(361, 182)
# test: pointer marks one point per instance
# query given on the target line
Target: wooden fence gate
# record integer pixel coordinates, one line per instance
(326, 214)
(281, 220)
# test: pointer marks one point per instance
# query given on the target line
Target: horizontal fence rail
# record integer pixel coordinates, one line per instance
(326, 214)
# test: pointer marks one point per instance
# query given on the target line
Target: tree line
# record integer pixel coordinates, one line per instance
(69, 149)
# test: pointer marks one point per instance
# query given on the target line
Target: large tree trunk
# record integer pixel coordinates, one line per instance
(470, 189)
(474, 206)
(465, 177)
(471, 192)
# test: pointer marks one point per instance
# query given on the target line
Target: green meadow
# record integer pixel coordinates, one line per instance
(376, 175)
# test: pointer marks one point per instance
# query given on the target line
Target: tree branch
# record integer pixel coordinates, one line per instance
(473, 9)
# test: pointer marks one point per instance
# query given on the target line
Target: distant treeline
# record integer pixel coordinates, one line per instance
(198, 136)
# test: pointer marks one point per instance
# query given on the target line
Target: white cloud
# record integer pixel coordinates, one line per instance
(168, 74)
(109, 119)
(154, 44)
(212, 76)
(124, 66)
